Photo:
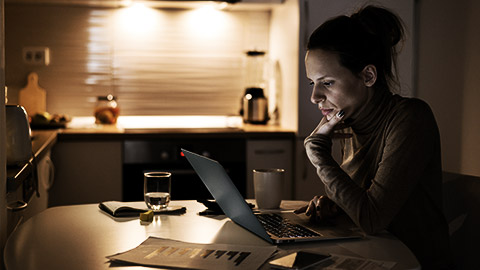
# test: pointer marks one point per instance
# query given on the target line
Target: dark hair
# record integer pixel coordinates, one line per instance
(368, 37)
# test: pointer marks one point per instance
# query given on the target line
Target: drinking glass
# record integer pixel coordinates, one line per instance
(157, 188)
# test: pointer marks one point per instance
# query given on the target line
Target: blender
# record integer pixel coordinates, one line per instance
(254, 103)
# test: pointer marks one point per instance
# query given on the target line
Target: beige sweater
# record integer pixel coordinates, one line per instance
(390, 177)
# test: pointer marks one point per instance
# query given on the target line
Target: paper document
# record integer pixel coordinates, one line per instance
(170, 253)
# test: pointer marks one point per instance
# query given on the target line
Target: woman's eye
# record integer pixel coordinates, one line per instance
(328, 83)
(311, 83)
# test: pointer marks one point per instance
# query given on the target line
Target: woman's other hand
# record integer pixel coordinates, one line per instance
(319, 209)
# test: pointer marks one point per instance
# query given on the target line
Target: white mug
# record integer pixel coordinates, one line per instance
(268, 186)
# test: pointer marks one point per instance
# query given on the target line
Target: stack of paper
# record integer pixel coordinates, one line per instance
(161, 252)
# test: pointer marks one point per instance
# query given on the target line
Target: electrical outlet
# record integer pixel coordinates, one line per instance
(36, 56)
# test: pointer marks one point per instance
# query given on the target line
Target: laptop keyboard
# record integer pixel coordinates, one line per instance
(283, 228)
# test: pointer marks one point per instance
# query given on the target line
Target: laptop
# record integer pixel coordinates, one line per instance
(273, 228)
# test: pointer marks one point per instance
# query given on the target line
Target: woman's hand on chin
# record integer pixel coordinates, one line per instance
(328, 126)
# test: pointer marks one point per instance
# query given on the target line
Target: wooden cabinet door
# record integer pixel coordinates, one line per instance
(86, 172)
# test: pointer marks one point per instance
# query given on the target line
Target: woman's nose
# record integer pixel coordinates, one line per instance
(317, 97)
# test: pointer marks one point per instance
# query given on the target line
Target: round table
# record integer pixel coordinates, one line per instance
(81, 236)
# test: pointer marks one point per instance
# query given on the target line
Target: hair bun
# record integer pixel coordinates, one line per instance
(381, 23)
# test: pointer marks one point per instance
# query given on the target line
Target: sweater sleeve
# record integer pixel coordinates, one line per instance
(408, 145)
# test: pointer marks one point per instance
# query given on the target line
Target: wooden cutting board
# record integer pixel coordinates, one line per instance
(33, 98)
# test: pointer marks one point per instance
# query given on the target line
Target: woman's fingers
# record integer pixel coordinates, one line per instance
(301, 210)
(330, 124)
(315, 208)
(319, 209)
(326, 127)
(322, 122)
(311, 208)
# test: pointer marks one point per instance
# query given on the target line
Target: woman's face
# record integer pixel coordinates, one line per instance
(335, 87)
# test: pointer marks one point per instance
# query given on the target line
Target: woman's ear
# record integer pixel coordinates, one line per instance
(369, 74)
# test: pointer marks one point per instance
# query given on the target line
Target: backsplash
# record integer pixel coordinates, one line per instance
(156, 61)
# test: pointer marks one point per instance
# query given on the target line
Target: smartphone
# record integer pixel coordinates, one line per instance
(298, 260)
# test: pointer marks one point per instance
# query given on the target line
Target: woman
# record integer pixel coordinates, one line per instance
(390, 176)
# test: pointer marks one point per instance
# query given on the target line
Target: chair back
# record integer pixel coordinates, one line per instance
(461, 201)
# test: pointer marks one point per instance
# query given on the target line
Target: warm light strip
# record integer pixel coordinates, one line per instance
(160, 121)
(179, 121)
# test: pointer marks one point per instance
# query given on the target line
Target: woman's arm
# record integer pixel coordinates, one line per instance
(409, 141)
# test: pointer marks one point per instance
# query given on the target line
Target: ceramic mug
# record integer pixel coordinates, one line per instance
(268, 187)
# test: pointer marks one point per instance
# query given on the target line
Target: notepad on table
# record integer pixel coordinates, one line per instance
(131, 209)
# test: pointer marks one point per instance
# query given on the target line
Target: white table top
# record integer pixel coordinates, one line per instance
(81, 236)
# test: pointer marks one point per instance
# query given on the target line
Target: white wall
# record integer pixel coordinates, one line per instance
(284, 47)
(448, 77)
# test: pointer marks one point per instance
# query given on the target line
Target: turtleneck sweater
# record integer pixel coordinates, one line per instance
(391, 175)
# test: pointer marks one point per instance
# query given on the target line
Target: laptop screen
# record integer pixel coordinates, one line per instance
(225, 193)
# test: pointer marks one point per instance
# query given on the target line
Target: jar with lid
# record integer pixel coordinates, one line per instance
(106, 110)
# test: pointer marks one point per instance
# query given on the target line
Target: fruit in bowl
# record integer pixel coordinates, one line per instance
(47, 120)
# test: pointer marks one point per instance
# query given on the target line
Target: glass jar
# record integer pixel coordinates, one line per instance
(106, 110)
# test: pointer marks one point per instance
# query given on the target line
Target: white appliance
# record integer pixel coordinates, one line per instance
(19, 144)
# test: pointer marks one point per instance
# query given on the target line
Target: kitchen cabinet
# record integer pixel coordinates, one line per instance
(94, 165)
(262, 154)
(86, 172)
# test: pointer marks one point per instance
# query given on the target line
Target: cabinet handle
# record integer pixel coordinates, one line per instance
(51, 175)
(17, 206)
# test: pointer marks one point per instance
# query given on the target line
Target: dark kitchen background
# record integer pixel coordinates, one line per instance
(184, 61)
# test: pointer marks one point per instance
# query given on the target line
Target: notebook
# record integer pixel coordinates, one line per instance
(235, 207)
(133, 209)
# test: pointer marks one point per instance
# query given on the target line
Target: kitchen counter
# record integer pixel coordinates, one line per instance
(42, 141)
